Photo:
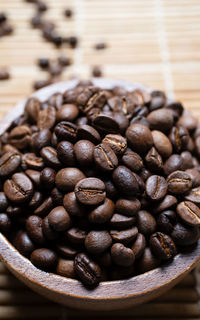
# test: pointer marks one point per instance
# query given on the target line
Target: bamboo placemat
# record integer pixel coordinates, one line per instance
(155, 42)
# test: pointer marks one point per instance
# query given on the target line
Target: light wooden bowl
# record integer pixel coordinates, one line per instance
(109, 295)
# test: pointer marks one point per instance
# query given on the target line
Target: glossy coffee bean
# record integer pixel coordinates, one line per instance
(87, 132)
(162, 246)
(65, 268)
(5, 223)
(73, 207)
(179, 182)
(128, 207)
(67, 112)
(124, 236)
(166, 221)
(66, 131)
(106, 123)
(76, 236)
(102, 213)
(194, 196)
(83, 150)
(24, 244)
(66, 179)
(162, 143)
(31, 161)
(139, 245)
(154, 161)
(50, 157)
(195, 176)
(125, 180)
(173, 163)
(187, 160)
(20, 137)
(34, 176)
(19, 188)
(116, 142)
(35, 201)
(189, 213)
(148, 261)
(179, 137)
(44, 208)
(9, 163)
(41, 139)
(121, 255)
(59, 219)
(104, 157)
(139, 137)
(98, 241)
(146, 223)
(34, 229)
(48, 231)
(46, 118)
(47, 178)
(161, 120)
(90, 191)
(87, 270)
(3, 202)
(65, 250)
(66, 154)
(188, 121)
(32, 108)
(44, 258)
(119, 221)
(132, 160)
(156, 187)
(185, 235)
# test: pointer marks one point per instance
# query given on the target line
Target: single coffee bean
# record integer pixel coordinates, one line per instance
(35, 201)
(73, 207)
(66, 131)
(154, 161)
(105, 157)
(32, 108)
(24, 244)
(158, 100)
(185, 235)
(156, 187)
(116, 142)
(76, 236)
(34, 229)
(19, 188)
(179, 182)
(132, 160)
(34, 176)
(161, 120)
(122, 122)
(162, 143)
(67, 112)
(66, 154)
(46, 118)
(179, 138)
(195, 176)
(90, 191)
(194, 196)
(67, 178)
(128, 207)
(87, 270)
(175, 108)
(189, 213)
(146, 223)
(187, 160)
(125, 180)
(173, 163)
(111, 190)
(83, 150)
(47, 178)
(44, 208)
(139, 137)
(141, 120)
(44, 258)
(121, 255)
(3, 202)
(50, 157)
(57, 197)
(188, 121)
(106, 123)
(98, 241)
(102, 213)
(139, 245)
(147, 262)
(87, 132)
(56, 100)
(5, 223)
(166, 221)
(124, 236)
(41, 139)
(59, 219)
(65, 250)
(20, 137)
(48, 231)
(65, 268)
(9, 163)
(31, 161)
(162, 246)
(119, 221)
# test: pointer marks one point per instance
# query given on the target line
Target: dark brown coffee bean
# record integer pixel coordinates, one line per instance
(66, 131)
(179, 182)
(19, 188)
(50, 157)
(48, 231)
(41, 139)
(24, 244)
(9, 163)
(161, 120)
(20, 137)
(125, 180)
(102, 213)
(100, 46)
(98, 241)
(67, 112)
(121, 255)
(128, 207)
(67, 178)
(124, 236)
(36, 200)
(32, 108)
(104, 259)
(90, 191)
(4, 73)
(147, 262)
(3, 202)
(91, 97)
(158, 100)
(185, 235)
(139, 245)
(59, 219)
(146, 223)
(169, 201)
(189, 213)
(195, 176)
(87, 270)
(73, 207)
(154, 161)
(166, 221)
(43, 63)
(140, 120)
(56, 100)
(194, 196)
(88, 133)
(96, 72)
(31, 161)
(65, 250)
(119, 221)
(122, 121)
(175, 108)
(39, 84)
(106, 123)
(116, 142)
(5, 223)
(46, 118)
(34, 176)
(162, 143)
(187, 160)
(139, 137)
(156, 187)
(65, 268)
(132, 160)
(44, 258)
(105, 157)
(76, 236)
(162, 246)
(66, 155)
(188, 121)
(47, 178)
(179, 137)
(83, 150)
(173, 163)
(44, 208)
(34, 229)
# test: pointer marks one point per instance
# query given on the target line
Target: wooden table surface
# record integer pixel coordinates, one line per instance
(155, 42)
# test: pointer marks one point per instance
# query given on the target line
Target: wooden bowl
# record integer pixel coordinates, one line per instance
(109, 295)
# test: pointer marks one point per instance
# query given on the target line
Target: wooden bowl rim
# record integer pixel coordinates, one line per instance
(136, 286)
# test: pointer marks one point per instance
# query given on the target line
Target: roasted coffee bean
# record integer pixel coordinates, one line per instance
(148, 261)
(44, 208)
(66, 131)
(175, 108)
(66, 154)
(4, 73)
(31, 161)
(36, 200)
(98, 241)
(50, 157)
(90, 191)
(187, 160)
(179, 137)
(34, 176)
(104, 259)
(195, 176)
(128, 207)
(5, 223)
(106, 123)
(67, 112)
(132, 160)
(154, 160)
(158, 100)
(9, 163)
(91, 97)
(34, 229)
(189, 213)
(83, 150)
(194, 196)
(96, 72)
(122, 121)
(46, 118)
(87, 270)
(56, 100)
(43, 63)
(173, 163)
(121, 255)
(65, 250)
(139, 245)
(116, 142)
(188, 121)
(32, 108)
(73, 207)
(48, 231)
(67, 178)
(156, 187)
(102, 213)
(125, 180)
(162, 143)
(59, 219)
(141, 120)
(161, 120)
(41, 139)
(39, 84)
(24, 244)
(166, 221)
(88, 133)
(65, 268)
(44, 258)
(119, 221)
(139, 137)
(162, 246)
(146, 223)
(76, 236)
(3, 202)
(57, 197)
(179, 182)
(124, 236)
(111, 190)
(105, 157)
(19, 188)
(185, 235)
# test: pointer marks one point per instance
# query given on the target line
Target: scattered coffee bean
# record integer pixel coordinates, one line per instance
(87, 270)
(100, 46)
(96, 72)
(4, 73)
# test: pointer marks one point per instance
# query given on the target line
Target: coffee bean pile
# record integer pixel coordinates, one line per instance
(101, 184)
(5, 26)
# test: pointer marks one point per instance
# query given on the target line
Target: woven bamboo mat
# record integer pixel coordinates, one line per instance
(155, 42)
